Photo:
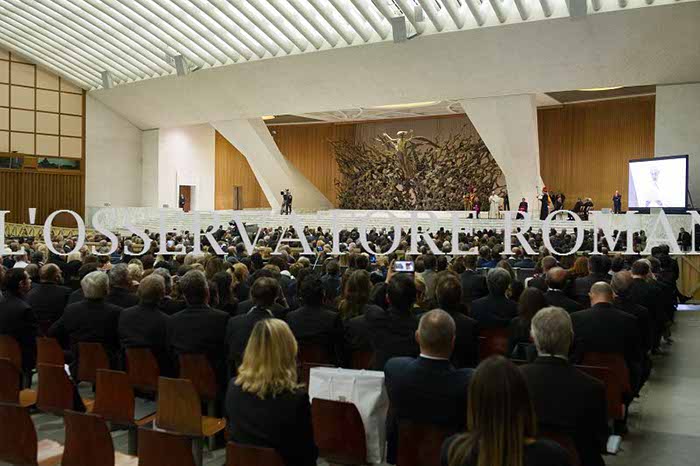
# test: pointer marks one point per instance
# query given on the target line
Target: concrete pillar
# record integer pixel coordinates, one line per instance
(271, 168)
(677, 129)
(508, 126)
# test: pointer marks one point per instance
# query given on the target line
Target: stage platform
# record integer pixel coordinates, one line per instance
(149, 218)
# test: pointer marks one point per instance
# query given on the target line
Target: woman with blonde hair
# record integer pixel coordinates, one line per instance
(265, 405)
(501, 423)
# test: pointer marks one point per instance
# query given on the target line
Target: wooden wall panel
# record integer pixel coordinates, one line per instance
(307, 147)
(584, 148)
(47, 192)
(232, 169)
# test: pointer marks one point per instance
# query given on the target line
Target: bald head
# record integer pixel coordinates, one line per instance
(436, 334)
(50, 273)
(601, 292)
(556, 278)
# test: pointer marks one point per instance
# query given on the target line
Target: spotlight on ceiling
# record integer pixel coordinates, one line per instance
(268, 117)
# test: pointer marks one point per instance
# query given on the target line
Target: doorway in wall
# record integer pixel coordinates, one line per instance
(237, 197)
(185, 198)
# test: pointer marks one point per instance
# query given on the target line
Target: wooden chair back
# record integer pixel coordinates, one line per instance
(420, 444)
(361, 360)
(248, 455)
(9, 381)
(613, 392)
(9, 349)
(493, 341)
(566, 442)
(313, 353)
(157, 448)
(114, 397)
(196, 368)
(339, 432)
(613, 361)
(18, 441)
(179, 407)
(55, 392)
(143, 370)
(48, 351)
(91, 357)
(88, 442)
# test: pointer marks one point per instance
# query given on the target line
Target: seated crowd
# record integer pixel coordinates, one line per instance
(249, 315)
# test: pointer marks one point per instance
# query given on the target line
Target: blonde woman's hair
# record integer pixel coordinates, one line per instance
(269, 364)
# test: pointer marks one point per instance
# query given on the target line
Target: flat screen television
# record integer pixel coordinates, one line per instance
(658, 182)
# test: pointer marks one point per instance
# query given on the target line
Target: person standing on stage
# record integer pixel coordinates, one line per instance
(289, 201)
(617, 203)
(285, 202)
(494, 202)
(522, 207)
(544, 209)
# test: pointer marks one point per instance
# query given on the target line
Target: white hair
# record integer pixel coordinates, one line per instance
(95, 285)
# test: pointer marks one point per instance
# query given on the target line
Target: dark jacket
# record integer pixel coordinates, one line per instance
(279, 311)
(282, 422)
(425, 391)
(466, 350)
(494, 311)
(48, 300)
(318, 326)
(520, 345)
(199, 330)
(122, 297)
(91, 321)
(583, 285)
(570, 402)
(146, 326)
(558, 298)
(18, 320)
(238, 331)
(76, 297)
(391, 334)
(473, 286)
(605, 329)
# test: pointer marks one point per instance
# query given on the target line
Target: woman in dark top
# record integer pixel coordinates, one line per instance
(265, 406)
(227, 302)
(355, 295)
(531, 300)
(501, 423)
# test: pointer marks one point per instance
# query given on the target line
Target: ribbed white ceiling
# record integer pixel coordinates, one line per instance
(131, 40)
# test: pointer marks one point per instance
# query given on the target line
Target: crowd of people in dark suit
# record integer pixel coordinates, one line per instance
(422, 328)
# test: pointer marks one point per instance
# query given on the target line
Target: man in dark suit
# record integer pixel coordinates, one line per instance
(278, 310)
(48, 297)
(17, 318)
(315, 324)
(145, 325)
(620, 284)
(331, 281)
(119, 293)
(604, 329)
(466, 348)
(391, 330)
(263, 293)
(565, 399)
(643, 292)
(77, 295)
(539, 281)
(555, 295)
(598, 268)
(473, 283)
(198, 329)
(427, 389)
(495, 310)
(92, 320)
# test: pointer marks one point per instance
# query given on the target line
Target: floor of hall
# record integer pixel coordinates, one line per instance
(664, 424)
